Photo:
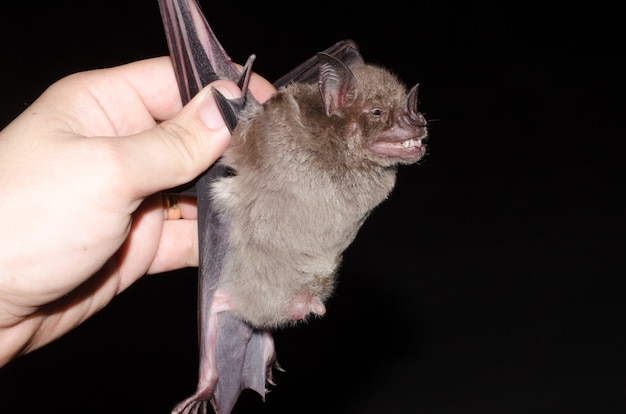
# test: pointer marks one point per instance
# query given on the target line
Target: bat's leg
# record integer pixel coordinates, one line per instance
(207, 380)
(243, 358)
(265, 341)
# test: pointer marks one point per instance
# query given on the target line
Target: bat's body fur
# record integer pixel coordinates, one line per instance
(304, 182)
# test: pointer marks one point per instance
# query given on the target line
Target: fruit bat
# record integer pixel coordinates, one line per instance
(275, 213)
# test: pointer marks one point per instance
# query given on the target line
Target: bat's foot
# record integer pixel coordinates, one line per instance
(208, 379)
(269, 358)
(192, 405)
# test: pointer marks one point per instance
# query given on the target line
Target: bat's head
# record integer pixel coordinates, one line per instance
(379, 115)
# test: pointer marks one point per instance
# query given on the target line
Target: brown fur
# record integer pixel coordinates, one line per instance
(304, 183)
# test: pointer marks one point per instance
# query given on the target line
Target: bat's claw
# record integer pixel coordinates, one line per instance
(270, 372)
(191, 405)
(245, 74)
(277, 367)
(230, 108)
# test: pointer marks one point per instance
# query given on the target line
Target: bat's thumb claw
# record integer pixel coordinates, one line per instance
(229, 108)
(245, 74)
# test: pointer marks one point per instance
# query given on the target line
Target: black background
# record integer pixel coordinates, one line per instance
(489, 282)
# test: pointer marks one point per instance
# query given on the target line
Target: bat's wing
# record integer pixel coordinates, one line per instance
(198, 57)
(233, 355)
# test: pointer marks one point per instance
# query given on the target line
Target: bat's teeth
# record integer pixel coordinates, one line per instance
(409, 143)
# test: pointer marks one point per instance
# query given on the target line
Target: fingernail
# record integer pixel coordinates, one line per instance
(209, 113)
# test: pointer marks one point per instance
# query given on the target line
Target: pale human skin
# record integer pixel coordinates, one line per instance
(81, 215)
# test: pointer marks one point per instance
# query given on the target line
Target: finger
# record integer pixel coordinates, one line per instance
(172, 208)
(178, 246)
(261, 88)
(155, 245)
(188, 207)
(152, 80)
(117, 101)
(148, 88)
(178, 150)
(179, 207)
(162, 98)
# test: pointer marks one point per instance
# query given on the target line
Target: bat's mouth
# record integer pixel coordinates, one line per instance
(409, 150)
(411, 143)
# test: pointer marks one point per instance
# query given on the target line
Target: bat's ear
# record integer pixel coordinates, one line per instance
(337, 84)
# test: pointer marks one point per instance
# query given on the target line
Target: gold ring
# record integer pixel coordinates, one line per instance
(172, 208)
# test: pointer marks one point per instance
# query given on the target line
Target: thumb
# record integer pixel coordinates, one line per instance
(181, 148)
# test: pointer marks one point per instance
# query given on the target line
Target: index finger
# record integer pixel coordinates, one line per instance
(155, 83)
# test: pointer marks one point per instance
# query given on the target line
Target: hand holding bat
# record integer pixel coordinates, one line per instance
(81, 215)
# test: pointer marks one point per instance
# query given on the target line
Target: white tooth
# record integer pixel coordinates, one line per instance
(408, 143)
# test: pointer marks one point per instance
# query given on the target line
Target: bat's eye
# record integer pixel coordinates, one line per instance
(377, 112)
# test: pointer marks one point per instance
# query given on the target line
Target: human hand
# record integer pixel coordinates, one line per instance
(81, 217)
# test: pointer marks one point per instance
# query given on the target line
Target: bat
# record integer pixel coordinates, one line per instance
(302, 173)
